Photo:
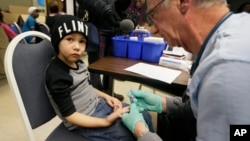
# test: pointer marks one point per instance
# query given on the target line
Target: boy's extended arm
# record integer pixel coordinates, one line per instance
(92, 122)
(88, 121)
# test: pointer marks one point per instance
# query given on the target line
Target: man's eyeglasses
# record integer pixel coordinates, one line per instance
(151, 12)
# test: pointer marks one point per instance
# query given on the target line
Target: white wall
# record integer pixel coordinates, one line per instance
(70, 7)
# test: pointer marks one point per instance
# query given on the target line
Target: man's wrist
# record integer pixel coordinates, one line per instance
(143, 133)
(164, 104)
(140, 129)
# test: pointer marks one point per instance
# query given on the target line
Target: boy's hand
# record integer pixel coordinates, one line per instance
(114, 102)
(117, 114)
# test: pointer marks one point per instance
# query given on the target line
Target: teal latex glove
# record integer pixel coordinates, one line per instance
(146, 100)
(130, 119)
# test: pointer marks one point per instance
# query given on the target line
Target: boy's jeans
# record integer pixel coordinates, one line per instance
(115, 132)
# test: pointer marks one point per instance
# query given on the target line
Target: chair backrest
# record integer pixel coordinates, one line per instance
(16, 28)
(44, 29)
(25, 66)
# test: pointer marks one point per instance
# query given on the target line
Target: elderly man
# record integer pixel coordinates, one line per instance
(219, 89)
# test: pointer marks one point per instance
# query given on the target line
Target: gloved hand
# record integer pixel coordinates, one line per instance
(130, 119)
(146, 100)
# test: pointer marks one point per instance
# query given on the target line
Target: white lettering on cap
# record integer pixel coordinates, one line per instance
(73, 25)
(60, 30)
(80, 26)
(86, 32)
(76, 26)
(66, 28)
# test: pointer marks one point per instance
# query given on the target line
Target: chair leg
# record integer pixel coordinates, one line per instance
(118, 96)
(140, 88)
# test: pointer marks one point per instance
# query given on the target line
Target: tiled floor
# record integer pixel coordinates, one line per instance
(11, 125)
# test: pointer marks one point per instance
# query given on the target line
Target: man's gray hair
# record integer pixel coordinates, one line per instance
(203, 3)
(208, 3)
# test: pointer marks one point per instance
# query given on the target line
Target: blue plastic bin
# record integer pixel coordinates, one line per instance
(134, 49)
(120, 45)
(152, 51)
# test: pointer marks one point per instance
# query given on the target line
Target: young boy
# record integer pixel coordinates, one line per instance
(84, 109)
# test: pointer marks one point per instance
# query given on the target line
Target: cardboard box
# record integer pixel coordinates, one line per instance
(10, 17)
(18, 9)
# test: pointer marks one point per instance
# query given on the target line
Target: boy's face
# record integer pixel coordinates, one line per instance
(71, 47)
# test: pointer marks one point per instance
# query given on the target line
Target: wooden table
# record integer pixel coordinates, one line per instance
(114, 67)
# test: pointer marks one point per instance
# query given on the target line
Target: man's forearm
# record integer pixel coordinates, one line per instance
(178, 108)
(149, 136)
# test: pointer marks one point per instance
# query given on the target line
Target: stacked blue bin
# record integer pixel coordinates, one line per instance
(120, 46)
(137, 49)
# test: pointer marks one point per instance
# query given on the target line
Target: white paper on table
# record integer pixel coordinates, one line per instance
(156, 72)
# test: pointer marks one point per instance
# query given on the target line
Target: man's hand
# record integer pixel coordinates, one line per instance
(130, 119)
(146, 100)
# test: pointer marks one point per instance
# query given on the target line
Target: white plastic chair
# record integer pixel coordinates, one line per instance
(25, 66)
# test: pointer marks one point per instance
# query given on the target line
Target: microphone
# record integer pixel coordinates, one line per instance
(126, 26)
